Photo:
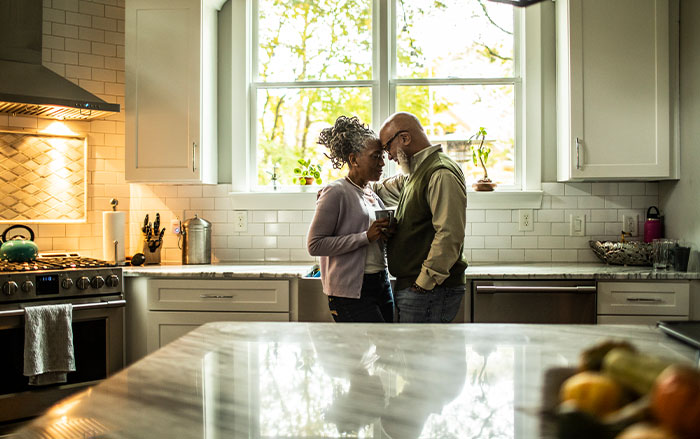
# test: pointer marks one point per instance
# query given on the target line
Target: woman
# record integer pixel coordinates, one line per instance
(343, 231)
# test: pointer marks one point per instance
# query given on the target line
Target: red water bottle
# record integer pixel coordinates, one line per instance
(654, 225)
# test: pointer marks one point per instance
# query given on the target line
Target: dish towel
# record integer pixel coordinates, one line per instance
(48, 344)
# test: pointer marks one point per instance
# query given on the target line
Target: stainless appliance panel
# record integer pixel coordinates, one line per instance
(534, 301)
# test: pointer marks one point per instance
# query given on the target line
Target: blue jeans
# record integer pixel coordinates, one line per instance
(437, 306)
(375, 305)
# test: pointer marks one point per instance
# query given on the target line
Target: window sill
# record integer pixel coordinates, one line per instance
(307, 200)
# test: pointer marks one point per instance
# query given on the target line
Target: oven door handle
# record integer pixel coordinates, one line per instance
(80, 306)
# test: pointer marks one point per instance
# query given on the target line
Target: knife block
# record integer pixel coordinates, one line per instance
(152, 257)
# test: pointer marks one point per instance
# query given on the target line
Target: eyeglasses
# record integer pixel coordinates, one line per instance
(385, 147)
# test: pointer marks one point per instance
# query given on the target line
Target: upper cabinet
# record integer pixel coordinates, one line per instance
(171, 78)
(617, 88)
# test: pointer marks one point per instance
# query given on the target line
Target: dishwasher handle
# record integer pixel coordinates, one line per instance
(492, 289)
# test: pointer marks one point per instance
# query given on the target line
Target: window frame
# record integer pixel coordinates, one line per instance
(527, 81)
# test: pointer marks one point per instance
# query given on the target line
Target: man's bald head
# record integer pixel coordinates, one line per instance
(403, 130)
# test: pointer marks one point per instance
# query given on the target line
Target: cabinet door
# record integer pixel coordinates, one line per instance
(614, 89)
(164, 327)
(169, 106)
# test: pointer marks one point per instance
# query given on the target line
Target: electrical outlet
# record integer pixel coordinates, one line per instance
(577, 225)
(629, 224)
(525, 220)
(240, 223)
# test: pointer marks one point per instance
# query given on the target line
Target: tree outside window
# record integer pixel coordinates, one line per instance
(454, 67)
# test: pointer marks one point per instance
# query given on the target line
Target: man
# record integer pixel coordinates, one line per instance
(425, 249)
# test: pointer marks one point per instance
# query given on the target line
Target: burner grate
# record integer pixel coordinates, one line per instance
(54, 263)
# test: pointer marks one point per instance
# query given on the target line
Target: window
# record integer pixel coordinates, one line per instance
(451, 62)
(456, 64)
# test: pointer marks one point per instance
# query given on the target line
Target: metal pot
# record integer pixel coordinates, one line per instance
(196, 241)
(18, 248)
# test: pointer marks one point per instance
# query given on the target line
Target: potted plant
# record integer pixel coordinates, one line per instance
(307, 172)
(480, 155)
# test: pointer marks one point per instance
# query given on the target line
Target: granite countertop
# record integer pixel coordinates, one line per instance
(474, 271)
(269, 380)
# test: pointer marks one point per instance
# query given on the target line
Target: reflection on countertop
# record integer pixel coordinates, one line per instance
(474, 271)
(270, 380)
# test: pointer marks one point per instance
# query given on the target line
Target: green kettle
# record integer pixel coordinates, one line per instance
(18, 248)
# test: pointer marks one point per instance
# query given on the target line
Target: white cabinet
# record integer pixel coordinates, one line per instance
(617, 86)
(171, 83)
(161, 310)
(642, 302)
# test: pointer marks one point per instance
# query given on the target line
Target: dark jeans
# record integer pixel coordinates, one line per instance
(376, 302)
(440, 305)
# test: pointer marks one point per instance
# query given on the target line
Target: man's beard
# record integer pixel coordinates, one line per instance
(404, 161)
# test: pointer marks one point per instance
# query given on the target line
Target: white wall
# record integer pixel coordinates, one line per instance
(681, 200)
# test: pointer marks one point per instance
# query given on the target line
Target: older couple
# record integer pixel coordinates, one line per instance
(423, 246)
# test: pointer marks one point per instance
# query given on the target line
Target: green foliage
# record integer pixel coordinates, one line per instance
(307, 169)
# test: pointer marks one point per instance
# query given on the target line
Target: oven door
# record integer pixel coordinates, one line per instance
(98, 343)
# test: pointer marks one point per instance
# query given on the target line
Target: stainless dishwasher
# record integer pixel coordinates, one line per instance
(534, 301)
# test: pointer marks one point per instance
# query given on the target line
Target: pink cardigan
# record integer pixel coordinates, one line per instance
(338, 234)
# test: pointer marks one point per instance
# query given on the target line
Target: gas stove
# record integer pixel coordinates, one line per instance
(51, 278)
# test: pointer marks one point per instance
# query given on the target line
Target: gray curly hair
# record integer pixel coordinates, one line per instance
(348, 135)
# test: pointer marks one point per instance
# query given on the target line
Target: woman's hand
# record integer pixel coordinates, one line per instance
(377, 228)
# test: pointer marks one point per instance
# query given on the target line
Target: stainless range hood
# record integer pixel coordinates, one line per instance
(28, 88)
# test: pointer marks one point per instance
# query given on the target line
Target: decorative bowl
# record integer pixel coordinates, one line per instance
(622, 253)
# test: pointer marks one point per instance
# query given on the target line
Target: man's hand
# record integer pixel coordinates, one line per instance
(418, 289)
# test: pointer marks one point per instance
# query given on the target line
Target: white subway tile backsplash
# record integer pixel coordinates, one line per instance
(290, 216)
(524, 242)
(618, 202)
(553, 188)
(290, 242)
(240, 241)
(300, 255)
(484, 255)
(549, 216)
(497, 241)
(252, 255)
(565, 255)
(484, 229)
(509, 229)
(511, 255)
(601, 215)
(497, 216)
(264, 242)
(580, 189)
(576, 242)
(277, 255)
(474, 242)
(550, 242)
(594, 202)
(298, 228)
(264, 216)
(308, 215)
(254, 229)
(277, 229)
(538, 255)
(604, 189)
(476, 216)
(633, 188)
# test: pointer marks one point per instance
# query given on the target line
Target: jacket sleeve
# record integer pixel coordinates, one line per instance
(323, 238)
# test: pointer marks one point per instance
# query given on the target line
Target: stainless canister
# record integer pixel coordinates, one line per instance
(196, 241)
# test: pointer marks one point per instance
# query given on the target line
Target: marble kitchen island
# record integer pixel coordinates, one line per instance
(269, 380)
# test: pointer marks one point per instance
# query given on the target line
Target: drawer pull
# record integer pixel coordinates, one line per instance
(214, 296)
(644, 300)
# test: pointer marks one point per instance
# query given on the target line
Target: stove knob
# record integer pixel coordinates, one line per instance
(112, 281)
(9, 288)
(83, 283)
(67, 283)
(97, 282)
(27, 286)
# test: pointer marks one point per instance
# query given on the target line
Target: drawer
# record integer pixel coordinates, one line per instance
(644, 298)
(218, 295)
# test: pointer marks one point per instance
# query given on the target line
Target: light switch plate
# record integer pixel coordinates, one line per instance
(240, 222)
(577, 225)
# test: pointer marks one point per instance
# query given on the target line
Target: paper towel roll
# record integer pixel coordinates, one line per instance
(113, 230)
